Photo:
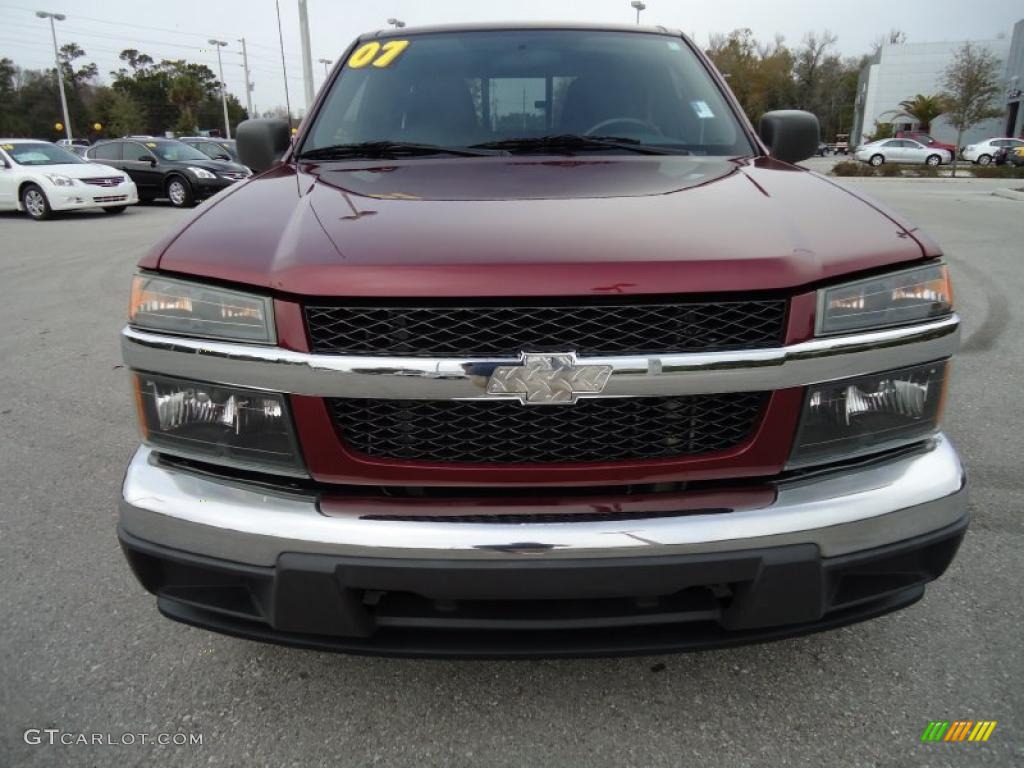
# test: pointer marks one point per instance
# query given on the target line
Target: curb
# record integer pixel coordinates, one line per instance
(1009, 194)
(938, 180)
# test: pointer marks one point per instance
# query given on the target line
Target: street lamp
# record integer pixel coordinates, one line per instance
(60, 72)
(396, 23)
(223, 91)
(327, 63)
(639, 5)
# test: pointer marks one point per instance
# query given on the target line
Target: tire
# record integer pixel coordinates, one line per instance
(180, 192)
(933, 160)
(34, 201)
(876, 160)
(115, 209)
(983, 159)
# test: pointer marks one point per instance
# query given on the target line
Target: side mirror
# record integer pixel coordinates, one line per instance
(262, 143)
(222, 157)
(791, 134)
(152, 161)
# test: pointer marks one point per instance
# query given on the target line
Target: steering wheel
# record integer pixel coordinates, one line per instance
(623, 120)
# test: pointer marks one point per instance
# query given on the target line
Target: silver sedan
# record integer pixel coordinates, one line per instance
(901, 151)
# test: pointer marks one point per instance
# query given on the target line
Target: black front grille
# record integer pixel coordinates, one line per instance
(500, 432)
(505, 331)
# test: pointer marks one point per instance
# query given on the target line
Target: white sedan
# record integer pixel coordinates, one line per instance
(901, 151)
(984, 152)
(38, 177)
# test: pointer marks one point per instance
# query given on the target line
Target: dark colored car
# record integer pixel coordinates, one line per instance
(214, 148)
(531, 345)
(168, 168)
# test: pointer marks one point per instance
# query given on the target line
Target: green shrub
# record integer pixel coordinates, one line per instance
(928, 172)
(851, 168)
(890, 169)
(987, 172)
(997, 172)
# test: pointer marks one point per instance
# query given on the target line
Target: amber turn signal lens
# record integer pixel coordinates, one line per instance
(194, 309)
(898, 298)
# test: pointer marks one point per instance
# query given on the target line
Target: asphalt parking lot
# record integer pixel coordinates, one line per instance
(83, 649)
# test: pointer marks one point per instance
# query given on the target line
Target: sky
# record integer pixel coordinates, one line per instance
(181, 28)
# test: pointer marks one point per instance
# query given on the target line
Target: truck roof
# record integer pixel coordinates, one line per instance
(507, 26)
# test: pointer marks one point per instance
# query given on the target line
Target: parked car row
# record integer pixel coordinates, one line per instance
(168, 168)
(902, 151)
(40, 177)
(997, 151)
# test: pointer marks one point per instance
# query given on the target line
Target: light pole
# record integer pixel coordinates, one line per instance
(223, 91)
(327, 63)
(248, 84)
(396, 23)
(56, 58)
(284, 69)
(307, 55)
(639, 5)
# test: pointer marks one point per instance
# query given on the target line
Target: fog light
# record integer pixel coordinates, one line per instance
(225, 425)
(853, 417)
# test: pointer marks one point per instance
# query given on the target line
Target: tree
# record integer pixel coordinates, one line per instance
(186, 93)
(812, 58)
(120, 113)
(759, 74)
(924, 109)
(971, 84)
(68, 53)
(10, 122)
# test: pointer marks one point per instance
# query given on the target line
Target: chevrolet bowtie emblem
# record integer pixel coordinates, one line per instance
(543, 379)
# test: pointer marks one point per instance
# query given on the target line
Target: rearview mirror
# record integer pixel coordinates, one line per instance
(791, 134)
(262, 143)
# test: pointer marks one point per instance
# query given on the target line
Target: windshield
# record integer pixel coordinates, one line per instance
(41, 154)
(480, 87)
(175, 151)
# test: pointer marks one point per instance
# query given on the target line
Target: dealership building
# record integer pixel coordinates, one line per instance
(901, 71)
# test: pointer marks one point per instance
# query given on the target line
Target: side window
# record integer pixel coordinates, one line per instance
(109, 151)
(135, 152)
(893, 143)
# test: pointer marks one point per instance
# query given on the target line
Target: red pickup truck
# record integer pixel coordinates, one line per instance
(529, 344)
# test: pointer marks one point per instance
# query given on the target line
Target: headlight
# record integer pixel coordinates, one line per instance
(60, 181)
(867, 414)
(164, 304)
(228, 425)
(898, 298)
(202, 173)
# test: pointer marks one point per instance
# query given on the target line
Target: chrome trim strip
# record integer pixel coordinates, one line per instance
(418, 378)
(855, 508)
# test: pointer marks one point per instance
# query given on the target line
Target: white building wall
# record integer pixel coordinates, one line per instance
(905, 70)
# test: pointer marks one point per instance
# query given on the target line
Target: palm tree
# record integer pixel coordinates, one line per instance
(924, 109)
(186, 93)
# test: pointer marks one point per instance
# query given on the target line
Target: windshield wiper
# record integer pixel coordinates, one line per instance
(571, 142)
(385, 150)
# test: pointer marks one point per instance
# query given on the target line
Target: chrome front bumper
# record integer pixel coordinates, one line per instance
(846, 510)
(421, 378)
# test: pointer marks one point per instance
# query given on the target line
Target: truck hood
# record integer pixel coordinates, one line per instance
(538, 226)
